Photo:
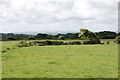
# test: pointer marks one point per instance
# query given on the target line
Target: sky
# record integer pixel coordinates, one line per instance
(57, 16)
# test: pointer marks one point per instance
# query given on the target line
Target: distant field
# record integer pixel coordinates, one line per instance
(65, 61)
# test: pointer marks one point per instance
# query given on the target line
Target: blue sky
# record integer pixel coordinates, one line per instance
(58, 15)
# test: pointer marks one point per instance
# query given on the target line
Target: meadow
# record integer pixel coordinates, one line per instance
(63, 61)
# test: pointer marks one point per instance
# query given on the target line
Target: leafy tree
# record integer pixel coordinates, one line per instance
(41, 36)
(61, 38)
(86, 34)
(106, 35)
(71, 36)
(17, 36)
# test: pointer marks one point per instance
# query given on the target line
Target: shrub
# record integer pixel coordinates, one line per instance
(61, 38)
(48, 42)
(74, 43)
(11, 38)
(44, 43)
(107, 42)
(31, 43)
(101, 43)
(8, 48)
(117, 40)
(31, 38)
(58, 43)
(24, 44)
(77, 42)
(93, 41)
(3, 50)
(40, 44)
(19, 45)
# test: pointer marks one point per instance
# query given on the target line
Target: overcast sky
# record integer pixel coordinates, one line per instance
(58, 15)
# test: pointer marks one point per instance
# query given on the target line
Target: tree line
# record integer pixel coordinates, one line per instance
(68, 36)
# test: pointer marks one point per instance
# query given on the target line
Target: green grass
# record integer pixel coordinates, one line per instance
(11, 44)
(74, 61)
(66, 61)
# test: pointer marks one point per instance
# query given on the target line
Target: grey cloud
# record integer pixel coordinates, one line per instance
(57, 16)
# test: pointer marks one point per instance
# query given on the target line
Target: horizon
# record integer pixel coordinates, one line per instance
(50, 33)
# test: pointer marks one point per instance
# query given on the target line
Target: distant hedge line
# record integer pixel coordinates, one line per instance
(67, 36)
(45, 43)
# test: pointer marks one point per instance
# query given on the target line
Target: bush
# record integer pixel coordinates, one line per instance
(58, 43)
(11, 38)
(117, 40)
(43, 43)
(74, 43)
(48, 42)
(92, 42)
(61, 38)
(3, 50)
(31, 38)
(25, 44)
(107, 42)
(8, 48)
(40, 44)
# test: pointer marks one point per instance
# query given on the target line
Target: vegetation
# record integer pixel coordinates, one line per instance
(68, 36)
(70, 61)
(107, 35)
(41, 55)
(11, 38)
(16, 36)
(117, 40)
(86, 34)
(31, 38)
(61, 38)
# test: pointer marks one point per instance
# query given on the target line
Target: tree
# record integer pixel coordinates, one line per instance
(31, 38)
(61, 38)
(106, 35)
(86, 34)
(11, 38)
(41, 36)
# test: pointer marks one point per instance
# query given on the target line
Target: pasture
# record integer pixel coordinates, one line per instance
(64, 61)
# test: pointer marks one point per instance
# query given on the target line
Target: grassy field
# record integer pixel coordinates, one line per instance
(65, 61)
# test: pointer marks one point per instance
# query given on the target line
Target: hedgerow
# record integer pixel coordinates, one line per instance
(45, 43)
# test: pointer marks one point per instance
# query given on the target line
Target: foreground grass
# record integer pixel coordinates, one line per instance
(75, 61)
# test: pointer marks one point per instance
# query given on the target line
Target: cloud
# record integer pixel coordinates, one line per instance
(60, 15)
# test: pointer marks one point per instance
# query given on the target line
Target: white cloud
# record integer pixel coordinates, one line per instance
(58, 15)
